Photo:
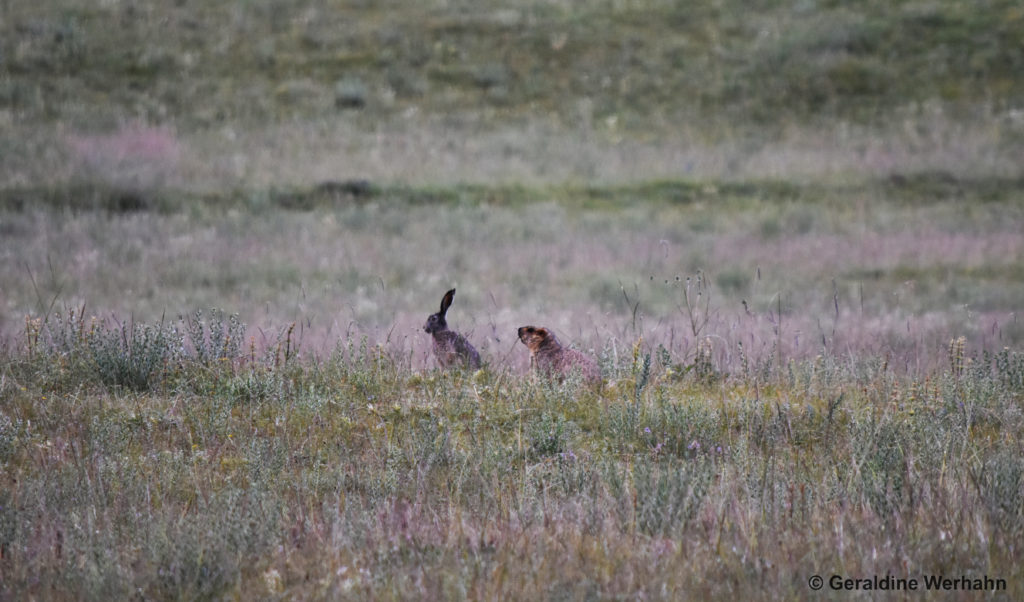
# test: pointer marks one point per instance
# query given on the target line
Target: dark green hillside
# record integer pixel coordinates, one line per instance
(651, 62)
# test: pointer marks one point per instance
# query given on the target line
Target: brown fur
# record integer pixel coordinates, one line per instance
(548, 357)
(450, 347)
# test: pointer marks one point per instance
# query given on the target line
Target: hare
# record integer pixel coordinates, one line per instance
(548, 357)
(450, 348)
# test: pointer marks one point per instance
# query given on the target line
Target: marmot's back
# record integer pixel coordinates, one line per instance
(549, 357)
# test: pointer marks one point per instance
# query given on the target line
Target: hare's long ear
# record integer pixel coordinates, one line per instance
(446, 301)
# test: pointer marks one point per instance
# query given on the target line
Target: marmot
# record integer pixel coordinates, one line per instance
(548, 357)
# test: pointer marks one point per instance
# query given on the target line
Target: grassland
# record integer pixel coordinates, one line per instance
(181, 464)
(789, 232)
(788, 270)
(270, 93)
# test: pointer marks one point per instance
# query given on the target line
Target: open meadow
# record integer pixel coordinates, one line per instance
(791, 234)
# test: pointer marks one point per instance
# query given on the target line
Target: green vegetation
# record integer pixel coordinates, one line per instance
(840, 394)
(767, 62)
(233, 474)
(882, 267)
(254, 94)
(789, 232)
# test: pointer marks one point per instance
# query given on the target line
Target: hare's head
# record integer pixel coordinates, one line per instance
(534, 336)
(436, 322)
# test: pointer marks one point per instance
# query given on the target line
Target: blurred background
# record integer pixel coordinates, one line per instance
(786, 178)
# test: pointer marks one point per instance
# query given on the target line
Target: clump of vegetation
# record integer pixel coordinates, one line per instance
(353, 475)
(132, 355)
(128, 354)
(789, 232)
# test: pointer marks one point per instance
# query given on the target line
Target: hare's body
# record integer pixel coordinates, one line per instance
(450, 348)
(548, 357)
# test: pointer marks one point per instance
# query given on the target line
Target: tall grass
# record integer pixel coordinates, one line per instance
(748, 274)
(788, 232)
(354, 476)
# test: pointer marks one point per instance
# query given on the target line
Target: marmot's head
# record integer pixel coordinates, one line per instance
(535, 337)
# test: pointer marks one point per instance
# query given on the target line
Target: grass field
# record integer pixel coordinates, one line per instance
(789, 232)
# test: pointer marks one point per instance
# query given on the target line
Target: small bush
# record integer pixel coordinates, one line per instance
(350, 93)
(548, 435)
(212, 340)
(999, 482)
(134, 355)
(666, 494)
